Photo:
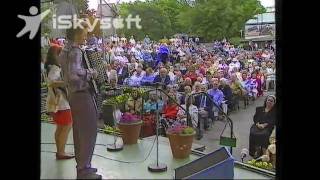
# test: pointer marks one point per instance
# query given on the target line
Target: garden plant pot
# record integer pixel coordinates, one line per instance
(180, 144)
(130, 132)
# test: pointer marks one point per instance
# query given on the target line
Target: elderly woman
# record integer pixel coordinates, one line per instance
(169, 113)
(191, 74)
(264, 120)
(193, 111)
(196, 87)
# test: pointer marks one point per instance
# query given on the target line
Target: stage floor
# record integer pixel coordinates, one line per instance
(108, 163)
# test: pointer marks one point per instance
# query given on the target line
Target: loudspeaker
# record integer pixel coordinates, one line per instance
(216, 165)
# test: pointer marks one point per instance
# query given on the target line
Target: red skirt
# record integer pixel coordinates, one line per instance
(63, 117)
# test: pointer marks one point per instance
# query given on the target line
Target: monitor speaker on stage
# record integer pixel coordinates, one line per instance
(216, 165)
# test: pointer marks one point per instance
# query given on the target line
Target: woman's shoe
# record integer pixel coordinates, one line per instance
(63, 157)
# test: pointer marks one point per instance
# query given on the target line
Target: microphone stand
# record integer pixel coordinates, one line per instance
(157, 167)
(114, 147)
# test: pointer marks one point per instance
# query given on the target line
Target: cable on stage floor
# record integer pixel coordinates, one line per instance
(128, 162)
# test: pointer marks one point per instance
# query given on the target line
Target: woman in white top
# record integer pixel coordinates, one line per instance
(57, 104)
(271, 76)
(193, 110)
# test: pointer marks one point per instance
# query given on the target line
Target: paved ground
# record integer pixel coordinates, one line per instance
(242, 119)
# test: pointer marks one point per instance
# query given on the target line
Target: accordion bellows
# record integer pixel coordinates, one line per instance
(96, 61)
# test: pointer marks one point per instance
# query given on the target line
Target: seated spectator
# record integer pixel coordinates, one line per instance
(183, 68)
(178, 79)
(148, 78)
(187, 92)
(253, 86)
(169, 113)
(264, 121)
(163, 77)
(151, 105)
(206, 79)
(245, 83)
(237, 90)
(193, 111)
(199, 79)
(135, 79)
(220, 74)
(196, 87)
(191, 74)
(227, 92)
(257, 76)
(271, 75)
(205, 110)
(217, 96)
(108, 69)
(122, 72)
(171, 73)
(235, 63)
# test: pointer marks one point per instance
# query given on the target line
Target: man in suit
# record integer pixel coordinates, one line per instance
(163, 77)
(123, 73)
(205, 111)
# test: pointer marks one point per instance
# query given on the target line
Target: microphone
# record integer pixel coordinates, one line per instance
(244, 153)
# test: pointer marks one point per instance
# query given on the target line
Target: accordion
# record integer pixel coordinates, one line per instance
(94, 59)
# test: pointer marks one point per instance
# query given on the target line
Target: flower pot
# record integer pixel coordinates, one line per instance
(180, 144)
(130, 132)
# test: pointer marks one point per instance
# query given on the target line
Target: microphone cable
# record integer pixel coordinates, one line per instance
(128, 162)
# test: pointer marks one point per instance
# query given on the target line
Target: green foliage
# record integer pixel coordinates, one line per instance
(211, 19)
(188, 130)
(260, 164)
(216, 19)
(235, 41)
(154, 21)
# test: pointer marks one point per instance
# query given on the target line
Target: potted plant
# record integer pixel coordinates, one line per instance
(130, 126)
(180, 138)
(260, 164)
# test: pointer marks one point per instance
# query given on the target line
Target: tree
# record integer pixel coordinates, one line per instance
(216, 19)
(154, 21)
(172, 9)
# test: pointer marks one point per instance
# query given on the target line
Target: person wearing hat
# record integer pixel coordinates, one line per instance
(264, 121)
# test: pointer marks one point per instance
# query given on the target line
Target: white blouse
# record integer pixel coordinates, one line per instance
(193, 110)
(54, 75)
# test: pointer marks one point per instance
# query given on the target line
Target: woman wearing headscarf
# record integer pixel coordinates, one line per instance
(264, 120)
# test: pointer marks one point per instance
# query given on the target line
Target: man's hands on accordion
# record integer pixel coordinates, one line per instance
(94, 73)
